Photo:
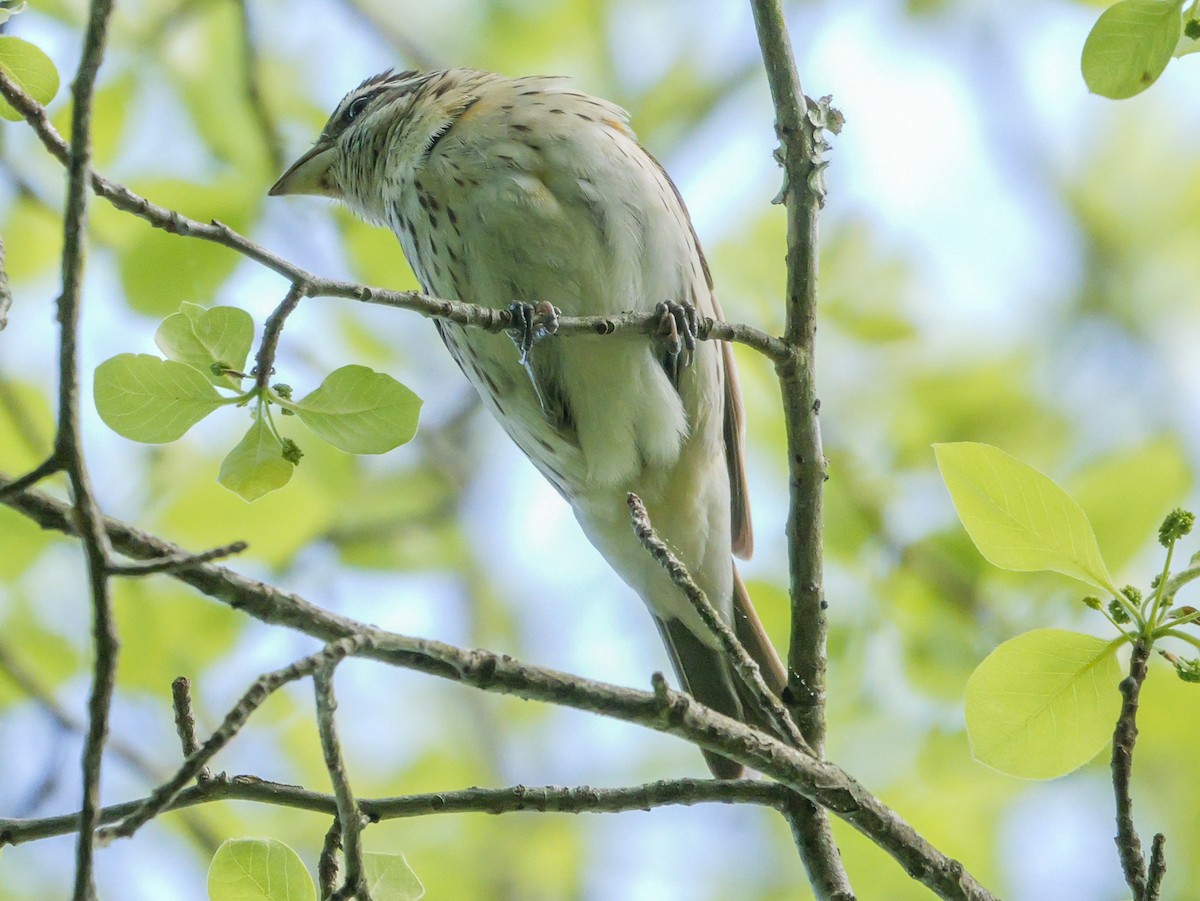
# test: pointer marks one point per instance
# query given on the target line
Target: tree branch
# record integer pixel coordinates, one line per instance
(312, 285)
(264, 361)
(185, 722)
(494, 801)
(348, 815)
(742, 661)
(68, 450)
(1129, 846)
(262, 688)
(801, 144)
(823, 783)
(169, 564)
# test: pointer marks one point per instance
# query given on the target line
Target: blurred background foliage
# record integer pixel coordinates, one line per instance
(1004, 259)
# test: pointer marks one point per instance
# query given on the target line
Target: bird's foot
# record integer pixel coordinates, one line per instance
(677, 331)
(530, 323)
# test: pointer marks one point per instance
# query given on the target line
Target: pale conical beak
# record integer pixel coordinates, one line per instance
(309, 175)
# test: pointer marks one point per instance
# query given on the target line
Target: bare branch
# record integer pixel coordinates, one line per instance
(68, 450)
(315, 286)
(742, 661)
(48, 467)
(823, 783)
(496, 801)
(262, 688)
(185, 722)
(349, 817)
(171, 564)
(1129, 846)
(1158, 867)
(329, 867)
(264, 364)
(801, 143)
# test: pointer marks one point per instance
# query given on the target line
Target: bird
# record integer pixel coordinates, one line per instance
(526, 194)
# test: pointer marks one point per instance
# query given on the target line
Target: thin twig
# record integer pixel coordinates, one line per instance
(171, 564)
(262, 688)
(1129, 846)
(801, 143)
(456, 311)
(734, 649)
(264, 364)
(48, 467)
(495, 801)
(185, 722)
(349, 816)
(68, 448)
(824, 783)
(329, 867)
(1157, 868)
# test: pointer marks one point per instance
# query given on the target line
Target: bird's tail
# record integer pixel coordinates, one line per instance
(707, 674)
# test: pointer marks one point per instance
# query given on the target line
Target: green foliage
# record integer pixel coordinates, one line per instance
(1018, 518)
(360, 411)
(258, 463)
(1130, 45)
(390, 878)
(1043, 703)
(155, 401)
(263, 869)
(912, 611)
(208, 340)
(258, 869)
(31, 69)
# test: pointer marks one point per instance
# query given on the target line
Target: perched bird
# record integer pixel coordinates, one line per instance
(522, 191)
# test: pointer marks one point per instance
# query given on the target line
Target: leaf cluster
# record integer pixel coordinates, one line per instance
(154, 400)
(1043, 703)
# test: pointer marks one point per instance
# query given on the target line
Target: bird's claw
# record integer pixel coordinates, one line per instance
(677, 326)
(530, 323)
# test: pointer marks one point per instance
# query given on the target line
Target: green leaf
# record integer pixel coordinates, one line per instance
(389, 878)
(361, 411)
(150, 400)
(258, 869)
(31, 69)
(1018, 518)
(1130, 46)
(1043, 703)
(256, 465)
(201, 337)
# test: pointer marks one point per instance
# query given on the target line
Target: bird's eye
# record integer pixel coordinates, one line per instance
(356, 107)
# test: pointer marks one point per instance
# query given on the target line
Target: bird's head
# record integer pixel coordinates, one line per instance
(380, 131)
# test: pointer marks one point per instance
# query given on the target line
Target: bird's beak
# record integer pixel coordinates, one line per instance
(310, 174)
